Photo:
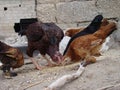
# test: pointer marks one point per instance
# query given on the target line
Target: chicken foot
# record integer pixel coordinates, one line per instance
(36, 64)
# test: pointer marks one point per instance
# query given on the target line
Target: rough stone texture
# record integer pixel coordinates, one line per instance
(75, 11)
(116, 34)
(66, 26)
(48, 1)
(46, 12)
(12, 11)
(56, 1)
(109, 8)
(66, 12)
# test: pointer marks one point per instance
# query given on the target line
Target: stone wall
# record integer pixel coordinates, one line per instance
(65, 13)
(74, 13)
(11, 11)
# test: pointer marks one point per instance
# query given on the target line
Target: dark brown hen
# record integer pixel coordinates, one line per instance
(44, 37)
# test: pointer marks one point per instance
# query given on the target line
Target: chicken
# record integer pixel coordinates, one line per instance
(92, 27)
(72, 32)
(44, 37)
(10, 58)
(84, 48)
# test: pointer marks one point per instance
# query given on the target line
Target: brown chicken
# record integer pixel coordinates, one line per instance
(10, 58)
(71, 32)
(84, 48)
(91, 28)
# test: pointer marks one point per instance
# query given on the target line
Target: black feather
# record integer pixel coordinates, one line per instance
(21, 27)
(17, 27)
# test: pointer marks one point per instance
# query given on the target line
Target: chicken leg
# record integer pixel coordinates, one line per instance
(36, 64)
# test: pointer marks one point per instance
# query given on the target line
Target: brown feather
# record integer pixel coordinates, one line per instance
(86, 47)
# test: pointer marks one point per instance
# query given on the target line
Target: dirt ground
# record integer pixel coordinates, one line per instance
(102, 75)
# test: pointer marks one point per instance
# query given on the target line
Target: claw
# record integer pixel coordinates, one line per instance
(36, 64)
(38, 68)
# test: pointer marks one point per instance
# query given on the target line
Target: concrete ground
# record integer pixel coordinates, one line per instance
(102, 75)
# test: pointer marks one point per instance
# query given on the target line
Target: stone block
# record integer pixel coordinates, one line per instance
(109, 8)
(15, 12)
(48, 1)
(56, 1)
(70, 12)
(67, 26)
(46, 12)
